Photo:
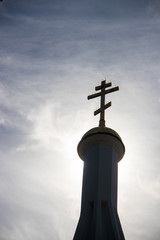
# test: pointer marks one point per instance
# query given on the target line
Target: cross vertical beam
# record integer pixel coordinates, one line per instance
(102, 116)
(102, 94)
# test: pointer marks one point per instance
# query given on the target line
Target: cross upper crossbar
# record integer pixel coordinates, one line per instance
(102, 94)
(103, 83)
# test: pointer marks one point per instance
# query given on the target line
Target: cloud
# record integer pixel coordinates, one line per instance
(52, 56)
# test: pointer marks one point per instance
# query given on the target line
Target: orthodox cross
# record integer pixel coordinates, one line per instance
(102, 94)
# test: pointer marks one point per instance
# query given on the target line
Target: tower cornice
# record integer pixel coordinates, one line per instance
(101, 135)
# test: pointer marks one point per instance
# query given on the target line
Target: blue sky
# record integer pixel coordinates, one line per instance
(52, 55)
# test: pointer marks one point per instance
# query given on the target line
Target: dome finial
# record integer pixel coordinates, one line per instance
(102, 94)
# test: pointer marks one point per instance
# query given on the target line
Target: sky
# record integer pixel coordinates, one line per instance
(52, 55)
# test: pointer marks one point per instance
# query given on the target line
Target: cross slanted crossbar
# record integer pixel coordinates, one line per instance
(102, 94)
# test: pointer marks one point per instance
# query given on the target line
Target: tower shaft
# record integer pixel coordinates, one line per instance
(100, 149)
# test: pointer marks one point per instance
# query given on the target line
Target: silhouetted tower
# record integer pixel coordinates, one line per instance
(101, 148)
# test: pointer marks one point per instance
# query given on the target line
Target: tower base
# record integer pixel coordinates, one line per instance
(99, 222)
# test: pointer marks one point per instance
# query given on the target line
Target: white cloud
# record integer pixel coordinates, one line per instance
(48, 67)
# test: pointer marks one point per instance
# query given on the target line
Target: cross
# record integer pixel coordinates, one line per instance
(102, 94)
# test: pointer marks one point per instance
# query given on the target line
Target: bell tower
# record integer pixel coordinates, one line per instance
(101, 148)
